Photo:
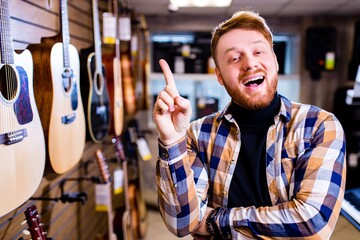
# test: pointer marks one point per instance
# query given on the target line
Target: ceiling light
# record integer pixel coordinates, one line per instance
(201, 3)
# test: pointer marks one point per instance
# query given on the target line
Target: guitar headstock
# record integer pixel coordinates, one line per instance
(103, 167)
(35, 226)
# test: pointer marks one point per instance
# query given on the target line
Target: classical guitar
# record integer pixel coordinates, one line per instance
(35, 226)
(22, 145)
(94, 89)
(105, 177)
(114, 81)
(58, 97)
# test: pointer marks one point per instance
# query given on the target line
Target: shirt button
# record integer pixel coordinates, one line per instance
(232, 161)
(224, 193)
(165, 155)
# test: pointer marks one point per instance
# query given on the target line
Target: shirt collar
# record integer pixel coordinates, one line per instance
(285, 110)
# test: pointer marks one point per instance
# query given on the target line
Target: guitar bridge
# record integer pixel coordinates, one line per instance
(68, 118)
(13, 137)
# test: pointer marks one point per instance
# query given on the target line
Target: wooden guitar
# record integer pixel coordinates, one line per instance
(143, 71)
(105, 177)
(135, 214)
(57, 92)
(128, 84)
(94, 90)
(125, 218)
(22, 144)
(35, 226)
(114, 81)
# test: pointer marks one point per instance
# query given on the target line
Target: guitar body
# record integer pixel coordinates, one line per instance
(22, 144)
(114, 84)
(128, 83)
(59, 102)
(95, 94)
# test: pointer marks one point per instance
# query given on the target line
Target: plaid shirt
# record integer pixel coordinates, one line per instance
(305, 172)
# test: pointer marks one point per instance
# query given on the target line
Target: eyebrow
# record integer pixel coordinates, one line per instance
(253, 42)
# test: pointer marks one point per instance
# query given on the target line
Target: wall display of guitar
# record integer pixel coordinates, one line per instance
(143, 64)
(105, 177)
(114, 81)
(129, 94)
(22, 144)
(56, 85)
(94, 89)
(133, 224)
(35, 226)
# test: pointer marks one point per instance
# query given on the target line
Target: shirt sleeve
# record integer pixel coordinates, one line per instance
(316, 192)
(182, 199)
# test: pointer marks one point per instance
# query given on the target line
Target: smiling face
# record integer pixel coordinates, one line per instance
(247, 67)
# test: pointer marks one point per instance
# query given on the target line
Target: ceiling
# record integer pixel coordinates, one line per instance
(264, 7)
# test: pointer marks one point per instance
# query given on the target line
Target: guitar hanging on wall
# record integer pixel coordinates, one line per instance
(94, 90)
(114, 80)
(56, 68)
(133, 224)
(105, 179)
(35, 226)
(22, 145)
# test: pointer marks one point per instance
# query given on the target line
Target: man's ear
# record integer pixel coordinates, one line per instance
(219, 76)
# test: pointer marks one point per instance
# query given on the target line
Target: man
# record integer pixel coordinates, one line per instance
(264, 167)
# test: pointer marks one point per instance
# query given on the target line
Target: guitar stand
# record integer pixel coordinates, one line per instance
(72, 196)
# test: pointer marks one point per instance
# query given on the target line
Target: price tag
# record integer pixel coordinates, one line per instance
(144, 149)
(118, 181)
(102, 197)
(109, 28)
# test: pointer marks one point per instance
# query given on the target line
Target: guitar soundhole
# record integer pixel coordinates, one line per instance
(67, 79)
(8, 82)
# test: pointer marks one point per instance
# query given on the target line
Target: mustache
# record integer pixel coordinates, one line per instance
(247, 74)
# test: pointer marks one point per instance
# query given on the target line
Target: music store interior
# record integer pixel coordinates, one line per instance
(78, 145)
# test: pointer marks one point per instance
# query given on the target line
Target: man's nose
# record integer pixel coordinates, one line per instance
(249, 62)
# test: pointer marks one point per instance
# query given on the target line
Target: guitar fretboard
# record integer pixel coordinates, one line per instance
(65, 32)
(7, 48)
(97, 39)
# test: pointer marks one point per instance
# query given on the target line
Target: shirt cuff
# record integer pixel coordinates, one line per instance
(224, 223)
(174, 152)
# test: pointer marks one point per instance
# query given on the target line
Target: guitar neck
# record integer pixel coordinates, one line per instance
(7, 47)
(65, 31)
(97, 39)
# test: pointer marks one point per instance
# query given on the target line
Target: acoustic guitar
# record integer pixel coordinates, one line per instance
(143, 71)
(114, 81)
(134, 222)
(35, 226)
(22, 144)
(105, 177)
(58, 97)
(94, 89)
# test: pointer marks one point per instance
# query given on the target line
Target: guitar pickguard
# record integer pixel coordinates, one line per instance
(22, 106)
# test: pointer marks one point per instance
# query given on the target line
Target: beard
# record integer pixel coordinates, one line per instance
(256, 100)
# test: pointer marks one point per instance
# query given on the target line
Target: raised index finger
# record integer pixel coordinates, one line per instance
(169, 78)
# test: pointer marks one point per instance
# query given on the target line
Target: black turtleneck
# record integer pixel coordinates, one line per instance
(249, 185)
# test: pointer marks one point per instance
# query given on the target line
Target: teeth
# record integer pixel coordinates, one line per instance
(254, 79)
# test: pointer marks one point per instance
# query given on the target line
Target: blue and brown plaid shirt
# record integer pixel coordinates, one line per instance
(305, 172)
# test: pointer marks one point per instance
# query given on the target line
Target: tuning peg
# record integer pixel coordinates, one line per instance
(26, 232)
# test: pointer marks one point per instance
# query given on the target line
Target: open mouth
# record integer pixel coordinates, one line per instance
(255, 81)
